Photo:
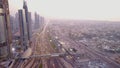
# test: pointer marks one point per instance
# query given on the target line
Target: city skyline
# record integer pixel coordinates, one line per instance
(56, 36)
(72, 9)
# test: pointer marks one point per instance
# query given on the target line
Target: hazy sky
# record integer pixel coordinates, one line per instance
(72, 9)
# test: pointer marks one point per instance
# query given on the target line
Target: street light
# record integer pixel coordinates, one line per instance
(50, 40)
(13, 49)
(56, 37)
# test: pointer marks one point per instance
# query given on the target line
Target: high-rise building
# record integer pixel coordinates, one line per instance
(12, 23)
(41, 21)
(27, 14)
(25, 26)
(37, 21)
(16, 23)
(5, 30)
(30, 25)
(23, 29)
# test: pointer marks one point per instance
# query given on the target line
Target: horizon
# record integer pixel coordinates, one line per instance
(71, 9)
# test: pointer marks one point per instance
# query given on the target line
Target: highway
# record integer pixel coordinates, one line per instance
(82, 48)
(54, 49)
(41, 45)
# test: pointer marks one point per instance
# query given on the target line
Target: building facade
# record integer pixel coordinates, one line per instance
(5, 30)
(30, 25)
(37, 21)
(25, 26)
(27, 14)
(23, 29)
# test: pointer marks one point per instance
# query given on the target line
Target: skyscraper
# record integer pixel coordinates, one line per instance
(12, 24)
(25, 26)
(37, 21)
(27, 18)
(30, 25)
(23, 29)
(16, 23)
(5, 30)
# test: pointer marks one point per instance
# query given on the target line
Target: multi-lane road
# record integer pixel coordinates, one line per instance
(49, 51)
(91, 53)
(41, 45)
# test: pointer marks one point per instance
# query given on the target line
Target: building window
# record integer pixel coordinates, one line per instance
(1, 6)
(3, 51)
(0, 0)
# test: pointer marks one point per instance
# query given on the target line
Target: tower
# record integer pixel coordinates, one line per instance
(27, 18)
(25, 25)
(23, 29)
